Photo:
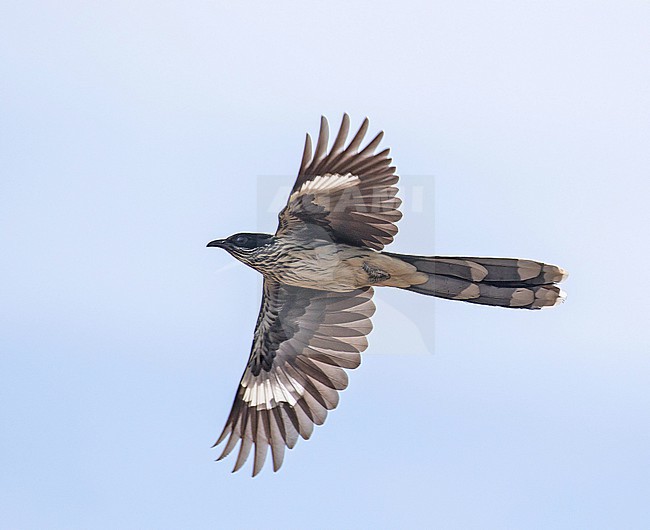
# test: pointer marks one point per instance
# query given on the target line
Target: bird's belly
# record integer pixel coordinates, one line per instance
(326, 268)
(338, 268)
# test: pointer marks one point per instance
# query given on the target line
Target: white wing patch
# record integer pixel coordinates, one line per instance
(267, 390)
(326, 183)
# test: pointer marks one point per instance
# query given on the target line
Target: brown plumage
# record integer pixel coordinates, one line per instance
(319, 271)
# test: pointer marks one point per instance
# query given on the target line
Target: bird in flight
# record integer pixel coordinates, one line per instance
(320, 268)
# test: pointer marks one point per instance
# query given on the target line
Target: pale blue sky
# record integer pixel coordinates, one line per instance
(131, 134)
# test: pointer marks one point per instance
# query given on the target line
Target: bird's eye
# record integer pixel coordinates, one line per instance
(241, 240)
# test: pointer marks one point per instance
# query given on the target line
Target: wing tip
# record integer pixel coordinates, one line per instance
(324, 124)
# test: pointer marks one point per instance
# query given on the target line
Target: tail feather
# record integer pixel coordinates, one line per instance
(504, 282)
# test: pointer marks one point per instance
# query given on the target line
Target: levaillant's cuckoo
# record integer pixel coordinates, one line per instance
(319, 271)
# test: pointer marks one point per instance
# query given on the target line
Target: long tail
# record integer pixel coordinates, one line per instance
(504, 282)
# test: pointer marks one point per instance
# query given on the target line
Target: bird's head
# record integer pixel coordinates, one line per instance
(243, 246)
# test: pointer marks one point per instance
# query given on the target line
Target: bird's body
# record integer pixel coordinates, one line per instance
(320, 268)
(327, 266)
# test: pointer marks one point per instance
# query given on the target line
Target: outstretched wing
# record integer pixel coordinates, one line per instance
(303, 340)
(350, 193)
